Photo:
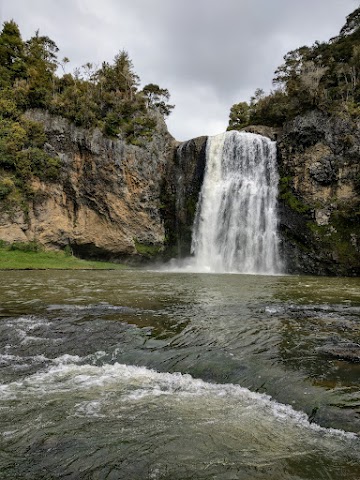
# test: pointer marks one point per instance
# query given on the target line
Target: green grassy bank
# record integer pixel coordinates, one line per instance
(30, 256)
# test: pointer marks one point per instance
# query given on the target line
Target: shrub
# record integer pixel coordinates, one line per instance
(6, 187)
(26, 246)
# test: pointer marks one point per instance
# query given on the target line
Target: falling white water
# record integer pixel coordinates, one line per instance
(235, 227)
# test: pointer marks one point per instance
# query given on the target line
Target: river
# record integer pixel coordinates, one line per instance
(156, 375)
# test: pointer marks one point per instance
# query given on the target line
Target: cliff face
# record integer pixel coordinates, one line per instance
(180, 193)
(115, 200)
(319, 201)
(319, 194)
(107, 200)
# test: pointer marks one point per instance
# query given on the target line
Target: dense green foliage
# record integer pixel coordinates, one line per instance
(107, 98)
(325, 76)
(26, 71)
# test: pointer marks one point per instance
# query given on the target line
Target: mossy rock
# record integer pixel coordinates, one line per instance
(147, 249)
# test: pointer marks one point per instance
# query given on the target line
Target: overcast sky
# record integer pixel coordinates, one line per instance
(210, 54)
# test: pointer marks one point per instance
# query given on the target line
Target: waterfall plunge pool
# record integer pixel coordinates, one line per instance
(154, 375)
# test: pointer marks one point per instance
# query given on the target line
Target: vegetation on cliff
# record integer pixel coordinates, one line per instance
(107, 98)
(325, 76)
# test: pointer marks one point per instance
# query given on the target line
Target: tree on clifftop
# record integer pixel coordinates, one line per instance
(325, 76)
(239, 116)
(12, 62)
(41, 60)
(157, 98)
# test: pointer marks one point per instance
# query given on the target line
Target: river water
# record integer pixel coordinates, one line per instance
(155, 375)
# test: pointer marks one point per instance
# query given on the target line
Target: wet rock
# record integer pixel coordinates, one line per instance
(322, 216)
(323, 172)
(343, 351)
(318, 157)
(184, 177)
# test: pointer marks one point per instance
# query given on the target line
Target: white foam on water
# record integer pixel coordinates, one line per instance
(102, 306)
(29, 322)
(67, 359)
(20, 363)
(89, 409)
(29, 329)
(131, 384)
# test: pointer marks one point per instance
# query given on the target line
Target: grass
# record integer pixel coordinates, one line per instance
(18, 259)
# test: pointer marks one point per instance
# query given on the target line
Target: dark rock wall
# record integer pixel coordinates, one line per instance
(180, 193)
(319, 203)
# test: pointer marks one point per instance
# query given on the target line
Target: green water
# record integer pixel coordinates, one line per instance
(155, 375)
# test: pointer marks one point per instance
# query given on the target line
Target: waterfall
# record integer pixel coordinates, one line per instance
(235, 228)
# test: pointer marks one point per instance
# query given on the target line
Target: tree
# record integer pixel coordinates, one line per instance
(272, 110)
(157, 98)
(119, 78)
(63, 62)
(288, 74)
(41, 50)
(310, 78)
(258, 95)
(41, 63)
(11, 54)
(239, 116)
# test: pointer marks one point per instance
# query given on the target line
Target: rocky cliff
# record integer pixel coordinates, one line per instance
(319, 194)
(114, 200)
(180, 193)
(106, 202)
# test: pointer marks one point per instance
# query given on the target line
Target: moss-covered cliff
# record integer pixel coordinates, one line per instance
(82, 155)
(319, 194)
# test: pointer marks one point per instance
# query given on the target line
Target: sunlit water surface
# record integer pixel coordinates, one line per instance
(155, 375)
